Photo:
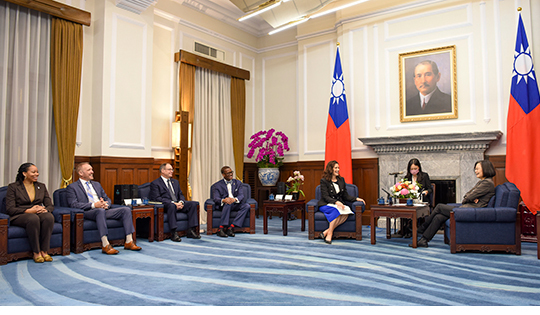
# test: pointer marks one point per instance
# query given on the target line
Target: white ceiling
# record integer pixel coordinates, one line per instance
(229, 11)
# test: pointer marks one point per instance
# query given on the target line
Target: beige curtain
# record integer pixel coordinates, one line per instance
(66, 65)
(187, 103)
(238, 118)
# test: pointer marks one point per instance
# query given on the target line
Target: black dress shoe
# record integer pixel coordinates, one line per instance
(221, 233)
(191, 234)
(408, 235)
(230, 232)
(421, 243)
(175, 237)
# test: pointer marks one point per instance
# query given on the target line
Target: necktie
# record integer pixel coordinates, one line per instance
(171, 191)
(89, 193)
(424, 104)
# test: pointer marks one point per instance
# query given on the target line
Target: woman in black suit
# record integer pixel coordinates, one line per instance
(416, 176)
(29, 206)
(333, 196)
(477, 197)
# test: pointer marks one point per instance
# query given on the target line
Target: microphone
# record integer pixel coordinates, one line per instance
(389, 194)
(396, 173)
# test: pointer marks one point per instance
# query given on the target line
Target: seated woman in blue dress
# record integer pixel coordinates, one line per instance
(333, 196)
(477, 197)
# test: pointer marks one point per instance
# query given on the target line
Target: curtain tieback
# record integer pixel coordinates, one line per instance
(65, 182)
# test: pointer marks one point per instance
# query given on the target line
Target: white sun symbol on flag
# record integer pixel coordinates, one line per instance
(523, 65)
(338, 89)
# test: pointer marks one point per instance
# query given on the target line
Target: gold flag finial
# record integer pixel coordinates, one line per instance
(337, 44)
(519, 9)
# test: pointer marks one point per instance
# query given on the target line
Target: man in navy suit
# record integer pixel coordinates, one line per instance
(429, 99)
(166, 190)
(229, 195)
(89, 195)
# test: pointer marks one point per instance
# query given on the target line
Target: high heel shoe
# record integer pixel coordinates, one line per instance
(39, 260)
(47, 258)
(328, 241)
(321, 235)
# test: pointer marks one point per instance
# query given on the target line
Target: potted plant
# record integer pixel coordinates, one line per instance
(270, 147)
(404, 190)
(294, 182)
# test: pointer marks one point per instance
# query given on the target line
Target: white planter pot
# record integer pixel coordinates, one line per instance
(269, 176)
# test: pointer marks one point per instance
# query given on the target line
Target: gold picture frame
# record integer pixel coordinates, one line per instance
(417, 78)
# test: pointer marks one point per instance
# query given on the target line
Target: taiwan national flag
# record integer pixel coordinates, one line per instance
(523, 125)
(338, 133)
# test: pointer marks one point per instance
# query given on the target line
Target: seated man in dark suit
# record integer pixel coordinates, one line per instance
(166, 190)
(429, 99)
(228, 195)
(89, 195)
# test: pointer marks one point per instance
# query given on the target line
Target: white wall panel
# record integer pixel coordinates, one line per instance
(128, 80)
(318, 67)
(279, 97)
(164, 70)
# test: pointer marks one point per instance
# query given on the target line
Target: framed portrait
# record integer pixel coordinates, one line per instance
(427, 84)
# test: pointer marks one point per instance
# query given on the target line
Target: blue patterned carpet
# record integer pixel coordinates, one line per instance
(273, 269)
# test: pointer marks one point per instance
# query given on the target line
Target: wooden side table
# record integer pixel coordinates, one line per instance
(138, 212)
(283, 207)
(262, 193)
(397, 211)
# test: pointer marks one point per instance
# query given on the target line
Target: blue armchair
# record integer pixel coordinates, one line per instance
(161, 221)
(214, 214)
(494, 228)
(14, 242)
(84, 233)
(317, 222)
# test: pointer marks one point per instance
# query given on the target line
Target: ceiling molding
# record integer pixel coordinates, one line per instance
(255, 27)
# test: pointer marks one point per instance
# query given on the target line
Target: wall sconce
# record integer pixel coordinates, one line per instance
(176, 129)
(190, 126)
(176, 134)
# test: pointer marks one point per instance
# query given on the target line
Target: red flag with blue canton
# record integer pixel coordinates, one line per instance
(523, 125)
(338, 132)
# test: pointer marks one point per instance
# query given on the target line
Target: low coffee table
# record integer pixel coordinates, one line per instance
(284, 207)
(138, 212)
(397, 211)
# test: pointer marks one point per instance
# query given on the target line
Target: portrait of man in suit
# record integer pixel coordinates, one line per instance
(429, 99)
(427, 85)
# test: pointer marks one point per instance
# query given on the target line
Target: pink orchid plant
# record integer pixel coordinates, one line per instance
(271, 146)
(294, 182)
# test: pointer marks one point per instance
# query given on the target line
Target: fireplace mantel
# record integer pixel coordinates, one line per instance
(428, 143)
(443, 156)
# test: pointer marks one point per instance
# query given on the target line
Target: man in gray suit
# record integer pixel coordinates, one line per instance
(89, 195)
(429, 99)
